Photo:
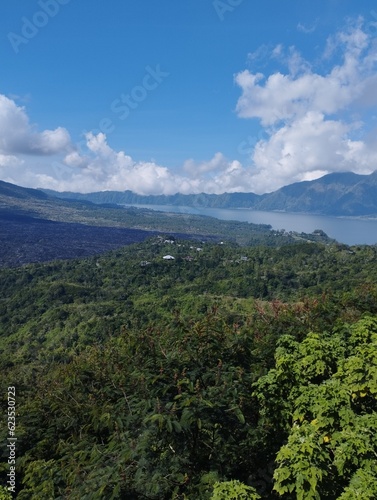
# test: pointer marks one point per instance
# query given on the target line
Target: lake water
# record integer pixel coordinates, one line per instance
(351, 231)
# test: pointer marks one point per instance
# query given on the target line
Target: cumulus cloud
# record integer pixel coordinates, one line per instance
(9, 161)
(18, 136)
(310, 116)
(98, 167)
(217, 164)
(103, 168)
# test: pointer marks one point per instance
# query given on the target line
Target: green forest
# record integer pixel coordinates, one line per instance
(183, 369)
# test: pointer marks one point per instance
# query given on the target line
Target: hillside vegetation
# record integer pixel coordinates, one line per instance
(227, 372)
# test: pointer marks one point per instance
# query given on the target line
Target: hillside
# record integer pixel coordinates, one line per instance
(343, 194)
(26, 239)
(38, 227)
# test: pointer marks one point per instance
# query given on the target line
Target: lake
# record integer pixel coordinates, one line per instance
(348, 230)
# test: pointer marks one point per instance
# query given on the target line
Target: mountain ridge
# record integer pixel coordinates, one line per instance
(339, 194)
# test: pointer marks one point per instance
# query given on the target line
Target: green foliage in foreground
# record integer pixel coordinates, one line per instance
(233, 490)
(235, 374)
(148, 415)
(4, 494)
(328, 383)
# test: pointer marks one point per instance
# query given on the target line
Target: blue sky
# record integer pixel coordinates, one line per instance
(189, 95)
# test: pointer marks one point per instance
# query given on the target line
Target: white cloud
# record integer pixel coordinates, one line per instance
(49, 142)
(217, 164)
(286, 97)
(311, 116)
(307, 148)
(18, 136)
(74, 159)
(9, 161)
(103, 168)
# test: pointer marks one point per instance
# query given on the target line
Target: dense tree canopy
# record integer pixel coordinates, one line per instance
(228, 372)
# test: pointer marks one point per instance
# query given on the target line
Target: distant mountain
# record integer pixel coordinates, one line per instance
(343, 194)
(225, 200)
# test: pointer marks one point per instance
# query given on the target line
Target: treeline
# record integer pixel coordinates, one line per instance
(225, 372)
